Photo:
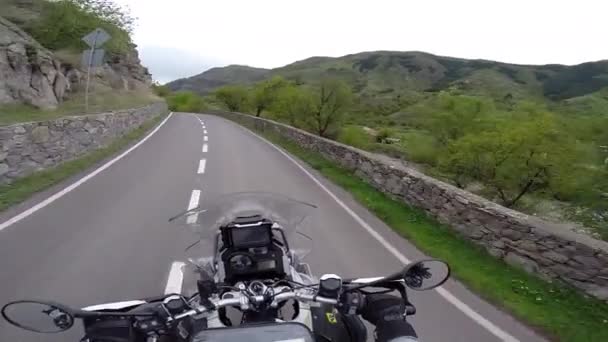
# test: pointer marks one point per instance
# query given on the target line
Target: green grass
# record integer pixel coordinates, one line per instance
(62, 24)
(558, 311)
(23, 188)
(100, 101)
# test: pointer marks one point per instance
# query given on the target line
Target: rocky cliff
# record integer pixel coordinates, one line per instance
(125, 71)
(28, 72)
(33, 75)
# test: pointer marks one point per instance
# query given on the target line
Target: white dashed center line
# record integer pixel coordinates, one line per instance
(205, 131)
(201, 166)
(194, 199)
(176, 278)
(205, 138)
(205, 148)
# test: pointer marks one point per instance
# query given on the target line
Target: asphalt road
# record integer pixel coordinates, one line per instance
(108, 239)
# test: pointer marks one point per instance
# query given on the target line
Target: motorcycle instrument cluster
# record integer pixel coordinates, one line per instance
(249, 249)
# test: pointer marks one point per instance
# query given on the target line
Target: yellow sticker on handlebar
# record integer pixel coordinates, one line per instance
(331, 318)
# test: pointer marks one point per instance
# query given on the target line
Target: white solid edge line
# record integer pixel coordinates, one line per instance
(205, 148)
(194, 199)
(76, 184)
(206, 138)
(201, 166)
(175, 279)
(467, 310)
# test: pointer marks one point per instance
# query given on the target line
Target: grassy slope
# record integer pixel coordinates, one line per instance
(560, 312)
(24, 187)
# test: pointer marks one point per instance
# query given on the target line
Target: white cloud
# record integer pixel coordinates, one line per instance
(274, 33)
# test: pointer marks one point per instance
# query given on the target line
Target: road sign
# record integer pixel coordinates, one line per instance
(96, 38)
(93, 57)
(95, 61)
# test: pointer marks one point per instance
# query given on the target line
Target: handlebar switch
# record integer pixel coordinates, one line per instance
(351, 303)
(174, 305)
(330, 286)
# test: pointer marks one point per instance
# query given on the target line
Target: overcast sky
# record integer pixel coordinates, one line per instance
(181, 38)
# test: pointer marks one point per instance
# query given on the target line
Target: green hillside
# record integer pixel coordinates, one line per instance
(531, 137)
(217, 77)
(387, 74)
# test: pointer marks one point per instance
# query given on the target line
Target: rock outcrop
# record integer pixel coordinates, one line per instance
(125, 71)
(31, 74)
(28, 72)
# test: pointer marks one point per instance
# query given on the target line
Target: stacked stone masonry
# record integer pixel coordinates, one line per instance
(34, 146)
(550, 250)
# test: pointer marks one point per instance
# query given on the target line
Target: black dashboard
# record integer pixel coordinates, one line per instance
(250, 250)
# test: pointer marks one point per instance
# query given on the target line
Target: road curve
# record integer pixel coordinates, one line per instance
(109, 239)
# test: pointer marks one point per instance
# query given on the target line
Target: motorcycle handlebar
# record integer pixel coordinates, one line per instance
(243, 301)
(304, 297)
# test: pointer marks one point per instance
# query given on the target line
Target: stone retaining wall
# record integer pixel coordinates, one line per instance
(34, 146)
(548, 249)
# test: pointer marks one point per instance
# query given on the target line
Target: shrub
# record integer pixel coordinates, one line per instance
(185, 101)
(384, 134)
(161, 90)
(421, 148)
(354, 136)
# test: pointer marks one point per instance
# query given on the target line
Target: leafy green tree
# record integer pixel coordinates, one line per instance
(63, 23)
(331, 101)
(458, 115)
(108, 11)
(265, 93)
(516, 159)
(293, 105)
(235, 98)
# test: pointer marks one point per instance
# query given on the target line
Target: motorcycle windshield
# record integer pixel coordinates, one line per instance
(258, 333)
(206, 219)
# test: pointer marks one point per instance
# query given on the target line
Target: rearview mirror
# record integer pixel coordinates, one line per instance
(38, 317)
(426, 274)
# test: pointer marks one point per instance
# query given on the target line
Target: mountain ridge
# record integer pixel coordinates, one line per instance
(216, 77)
(394, 73)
